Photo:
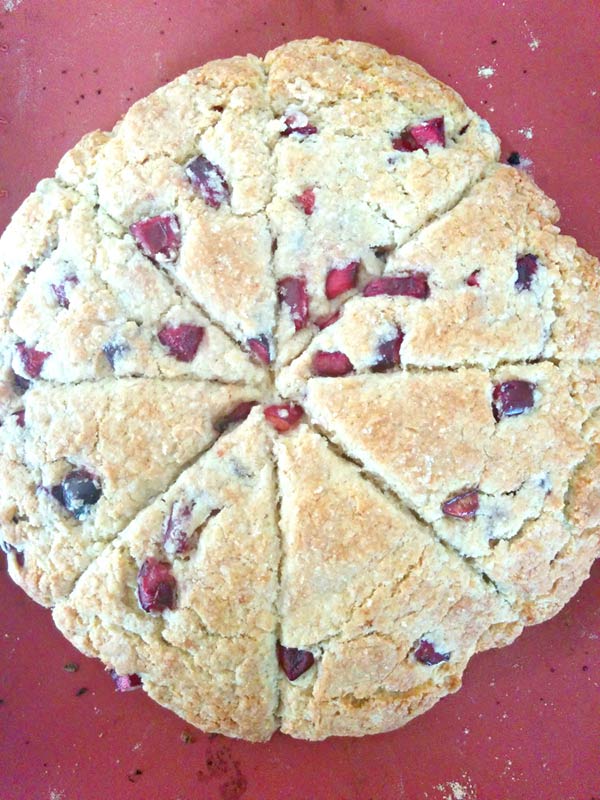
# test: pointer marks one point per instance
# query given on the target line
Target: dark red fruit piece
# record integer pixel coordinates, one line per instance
(473, 279)
(294, 662)
(182, 341)
(9, 548)
(462, 506)
(297, 122)
(60, 290)
(415, 284)
(208, 180)
(426, 653)
(32, 359)
(159, 238)
(21, 384)
(331, 365)
(292, 292)
(126, 683)
(284, 417)
(421, 136)
(326, 321)
(527, 266)
(20, 417)
(260, 347)
(341, 280)
(156, 585)
(306, 201)
(388, 353)
(77, 492)
(512, 398)
(239, 413)
(176, 535)
(113, 350)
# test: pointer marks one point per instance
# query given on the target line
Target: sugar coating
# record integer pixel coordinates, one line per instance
(141, 367)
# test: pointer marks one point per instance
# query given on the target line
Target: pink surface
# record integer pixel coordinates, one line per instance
(527, 722)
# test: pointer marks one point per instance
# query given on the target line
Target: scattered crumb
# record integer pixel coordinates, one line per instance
(486, 72)
(71, 667)
(10, 5)
(526, 132)
(55, 795)
(533, 42)
(81, 691)
(186, 737)
(453, 790)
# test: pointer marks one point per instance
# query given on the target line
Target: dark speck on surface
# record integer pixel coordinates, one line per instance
(494, 41)
(162, 33)
(64, 71)
(98, 91)
(133, 776)
(71, 667)
(585, 668)
(96, 70)
(524, 72)
(514, 159)
(82, 97)
(81, 691)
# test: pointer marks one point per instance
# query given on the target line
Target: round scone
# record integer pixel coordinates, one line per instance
(299, 394)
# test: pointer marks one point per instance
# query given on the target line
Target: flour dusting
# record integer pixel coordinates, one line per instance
(526, 132)
(10, 5)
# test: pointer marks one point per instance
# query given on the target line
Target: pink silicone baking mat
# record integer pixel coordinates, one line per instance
(526, 725)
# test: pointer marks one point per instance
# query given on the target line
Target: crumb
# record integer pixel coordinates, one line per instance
(71, 666)
(513, 159)
(81, 691)
(486, 72)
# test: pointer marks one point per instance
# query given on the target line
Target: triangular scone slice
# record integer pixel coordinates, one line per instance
(206, 645)
(481, 476)
(97, 306)
(351, 182)
(82, 460)
(372, 596)
(485, 278)
(206, 179)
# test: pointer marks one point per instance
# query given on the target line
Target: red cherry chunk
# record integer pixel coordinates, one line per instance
(527, 266)
(294, 662)
(388, 353)
(284, 417)
(512, 398)
(239, 413)
(208, 180)
(292, 292)
(473, 279)
(329, 319)
(126, 683)
(32, 359)
(60, 290)
(20, 417)
(297, 122)
(426, 654)
(156, 586)
(462, 506)
(340, 280)
(176, 535)
(421, 136)
(182, 341)
(261, 349)
(331, 365)
(159, 238)
(306, 201)
(415, 284)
